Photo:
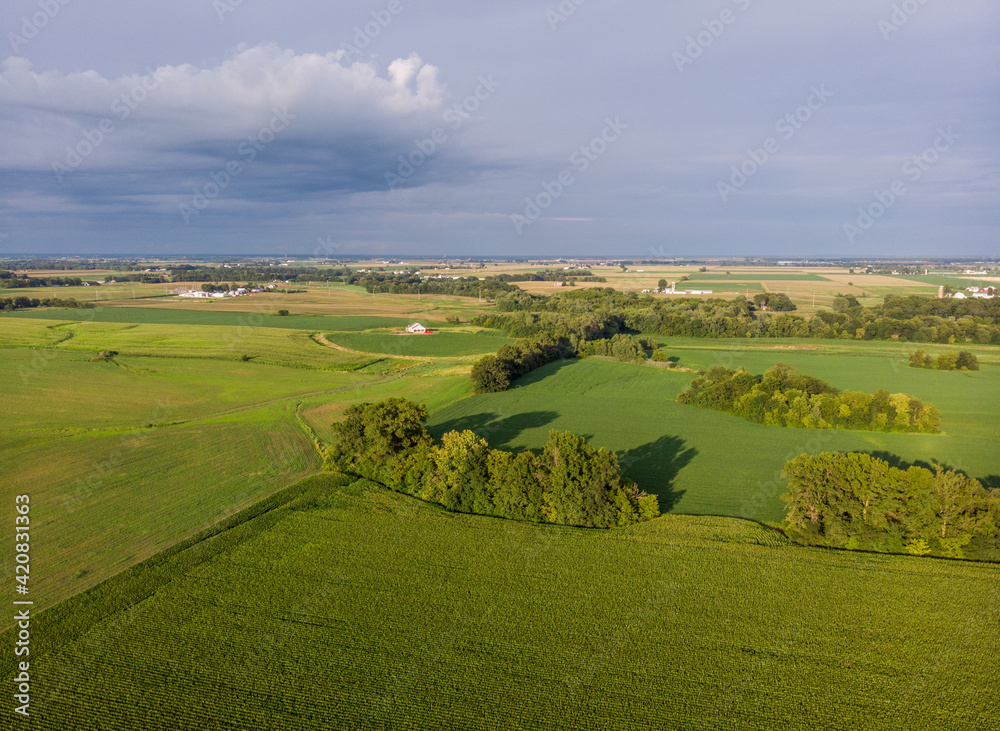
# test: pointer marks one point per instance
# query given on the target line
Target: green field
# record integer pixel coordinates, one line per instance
(435, 345)
(956, 281)
(357, 608)
(189, 571)
(83, 394)
(261, 345)
(752, 276)
(132, 455)
(106, 499)
(151, 316)
(717, 286)
(703, 462)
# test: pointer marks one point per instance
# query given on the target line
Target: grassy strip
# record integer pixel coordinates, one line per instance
(73, 618)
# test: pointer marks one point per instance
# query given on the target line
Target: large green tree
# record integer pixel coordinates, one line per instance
(860, 501)
(380, 430)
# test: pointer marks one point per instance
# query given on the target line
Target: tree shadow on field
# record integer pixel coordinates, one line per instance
(989, 482)
(540, 374)
(655, 466)
(499, 432)
(899, 463)
(472, 422)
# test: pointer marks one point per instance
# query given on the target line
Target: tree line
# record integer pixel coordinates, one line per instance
(553, 275)
(378, 282)
(859, 501)
(784, 398)
(9, 304)
(12, 280)
(496, 373)
(74, 264)
(910, 319)
(257, 273)
(408, 282)
(570, 483)
(951, 360)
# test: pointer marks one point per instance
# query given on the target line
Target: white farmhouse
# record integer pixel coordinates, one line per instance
(416, 328)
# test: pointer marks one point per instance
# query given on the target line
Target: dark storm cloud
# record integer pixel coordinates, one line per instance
(751, 126)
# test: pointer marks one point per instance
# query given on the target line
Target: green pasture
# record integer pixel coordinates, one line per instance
(956, 281)
(751, 276)
(706, 462)
(433, 386)
(435, 345)
(358, 608)
(106, 499)
(61, 389)
(719, 286)
(267, 318)
(260, 345)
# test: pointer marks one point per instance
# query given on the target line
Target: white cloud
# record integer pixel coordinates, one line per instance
(177, 108)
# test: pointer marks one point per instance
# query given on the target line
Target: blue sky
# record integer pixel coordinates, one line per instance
(527, 128)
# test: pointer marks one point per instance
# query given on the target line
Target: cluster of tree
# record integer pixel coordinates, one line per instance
(896, 269)
(621, 347)
(858, 501)
(140, 278)
(488, 288)
(583, 326)
(916, 319)
(495, 373)
(774, 301)
(257, 273)
(570, 483)
(785, 398)
(9, 304)
(45, 265)
(11, 280)
(553, 275)
(409, 282)
(951, 360)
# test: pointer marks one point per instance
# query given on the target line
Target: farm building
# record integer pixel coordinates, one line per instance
(416, 328)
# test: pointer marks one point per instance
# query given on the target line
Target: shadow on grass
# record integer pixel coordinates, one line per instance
(539, 374)
(899, 463)
(989, 481)
(498, 431)
(655, 466)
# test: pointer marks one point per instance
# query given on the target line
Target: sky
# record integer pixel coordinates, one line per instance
(528, 128)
